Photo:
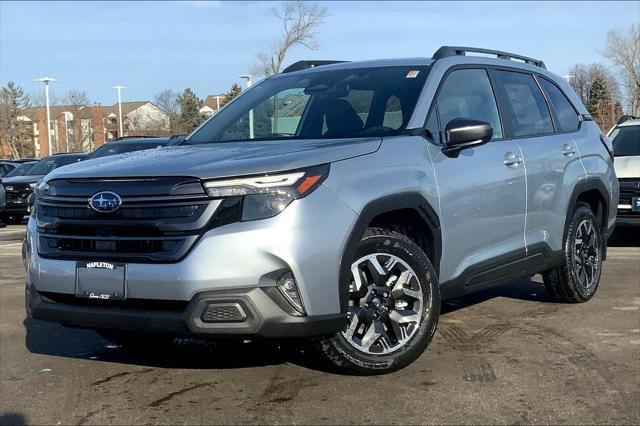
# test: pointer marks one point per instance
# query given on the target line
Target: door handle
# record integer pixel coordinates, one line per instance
(568, 150)
(510, 159)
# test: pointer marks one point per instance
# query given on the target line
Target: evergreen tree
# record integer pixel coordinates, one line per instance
(232, 93)
(599, 104)
(190, 116)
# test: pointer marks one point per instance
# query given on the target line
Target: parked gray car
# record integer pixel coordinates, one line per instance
(335, 201)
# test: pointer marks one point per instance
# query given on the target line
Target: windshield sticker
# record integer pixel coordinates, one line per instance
(413, 74)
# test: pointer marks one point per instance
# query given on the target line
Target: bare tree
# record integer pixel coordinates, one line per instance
(77, 121)
(623, 50)
(168, 102)
(38, 100)
(13, 102)
(300, 21)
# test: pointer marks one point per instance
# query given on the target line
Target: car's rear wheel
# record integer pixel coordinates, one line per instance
(393, 306)
(577, 279)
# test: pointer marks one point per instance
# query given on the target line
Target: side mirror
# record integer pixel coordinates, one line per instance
(463, 133)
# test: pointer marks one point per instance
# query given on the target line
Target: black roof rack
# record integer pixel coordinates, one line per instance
(446, 51)
(303, 65)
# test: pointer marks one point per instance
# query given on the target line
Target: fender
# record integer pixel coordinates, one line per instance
(405, 200)
(590, 184)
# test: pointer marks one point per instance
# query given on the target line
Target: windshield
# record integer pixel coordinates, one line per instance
(121, 148)
(348, 103)
(48, 164)
(626, 141)
(21, 170)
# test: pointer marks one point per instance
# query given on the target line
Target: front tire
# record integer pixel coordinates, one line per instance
(393, 305)
(578, 278)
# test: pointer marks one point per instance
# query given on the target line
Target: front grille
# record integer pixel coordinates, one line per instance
(159, 221)
(628, 188)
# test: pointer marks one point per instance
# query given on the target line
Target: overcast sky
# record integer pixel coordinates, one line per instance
(149, 46)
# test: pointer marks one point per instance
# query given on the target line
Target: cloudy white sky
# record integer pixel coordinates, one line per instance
(150, 46)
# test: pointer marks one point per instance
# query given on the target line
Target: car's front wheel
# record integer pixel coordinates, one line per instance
(393, 306)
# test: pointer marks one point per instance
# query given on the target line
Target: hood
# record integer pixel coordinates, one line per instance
(22, 179)
(220, 159)
(627, 167)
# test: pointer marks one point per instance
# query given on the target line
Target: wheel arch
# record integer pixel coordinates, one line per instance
(381, 212)
(595, 193)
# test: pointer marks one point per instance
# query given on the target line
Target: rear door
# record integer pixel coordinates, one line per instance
(547, 138)
(482, 191)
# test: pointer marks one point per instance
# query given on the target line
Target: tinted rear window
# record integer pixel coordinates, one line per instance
(529, 112)
(626, 141)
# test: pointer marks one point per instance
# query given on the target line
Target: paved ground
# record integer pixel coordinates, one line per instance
(505, 356)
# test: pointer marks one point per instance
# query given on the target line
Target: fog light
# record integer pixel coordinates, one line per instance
(289, 289)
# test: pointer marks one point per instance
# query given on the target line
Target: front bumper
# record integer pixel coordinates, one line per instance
(307, 238)
(625, 218)
(262, 315)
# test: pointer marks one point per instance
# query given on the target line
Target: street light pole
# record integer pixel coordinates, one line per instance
(46, 81)
(247, 78)
(119, 88)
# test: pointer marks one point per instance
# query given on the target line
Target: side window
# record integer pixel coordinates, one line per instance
(567, 117)
(393, 113)
(467, 93)
(529, 111)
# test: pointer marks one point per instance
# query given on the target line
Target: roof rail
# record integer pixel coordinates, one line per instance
(303, 65)
(446, 51)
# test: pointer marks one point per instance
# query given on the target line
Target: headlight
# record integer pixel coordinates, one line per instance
(266, 196)
(41, 188)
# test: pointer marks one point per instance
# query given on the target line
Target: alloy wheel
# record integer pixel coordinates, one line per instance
(386, 304)
(586, 254)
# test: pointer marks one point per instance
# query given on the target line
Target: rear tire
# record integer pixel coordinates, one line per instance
(578, 278)
(393, 310)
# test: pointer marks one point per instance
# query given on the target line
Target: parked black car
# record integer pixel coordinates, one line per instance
(19, 188)
(7, 167)
(22, 169)
(123, 146)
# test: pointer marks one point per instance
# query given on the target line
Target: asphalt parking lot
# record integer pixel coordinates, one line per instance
(504, 356)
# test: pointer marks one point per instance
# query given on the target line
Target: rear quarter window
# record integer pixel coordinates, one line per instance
(568, 120)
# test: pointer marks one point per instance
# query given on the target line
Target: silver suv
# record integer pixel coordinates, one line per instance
(334, 201)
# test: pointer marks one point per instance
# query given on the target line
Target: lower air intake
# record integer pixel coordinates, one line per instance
(223, 312)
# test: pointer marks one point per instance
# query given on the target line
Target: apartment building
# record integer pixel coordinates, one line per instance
(84, 128)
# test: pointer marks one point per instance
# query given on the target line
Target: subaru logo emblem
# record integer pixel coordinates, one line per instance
(105, 202)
